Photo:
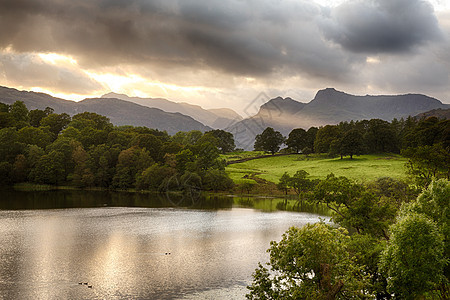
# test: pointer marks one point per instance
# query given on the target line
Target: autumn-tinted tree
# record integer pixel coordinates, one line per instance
(269, 140)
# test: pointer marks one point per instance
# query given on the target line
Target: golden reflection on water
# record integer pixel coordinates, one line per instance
(124, 252)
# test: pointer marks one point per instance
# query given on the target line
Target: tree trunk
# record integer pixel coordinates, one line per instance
(329, 291)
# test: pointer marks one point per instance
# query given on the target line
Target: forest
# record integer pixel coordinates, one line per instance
(87, 150)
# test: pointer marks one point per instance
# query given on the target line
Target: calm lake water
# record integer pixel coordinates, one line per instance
(120, 243)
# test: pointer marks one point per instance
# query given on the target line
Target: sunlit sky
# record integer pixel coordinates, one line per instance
(225, 53)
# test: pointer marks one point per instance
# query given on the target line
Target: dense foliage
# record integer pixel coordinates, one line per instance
(86, 150)
(425, 142)
(398, 250)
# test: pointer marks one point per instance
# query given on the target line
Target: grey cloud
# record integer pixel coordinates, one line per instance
(188, 40)
(31, 70)
(383, 26)
(251, 38)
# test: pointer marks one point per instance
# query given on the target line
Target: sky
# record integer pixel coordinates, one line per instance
(224, 53)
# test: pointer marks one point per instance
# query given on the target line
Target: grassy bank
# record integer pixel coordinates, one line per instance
(361, 168)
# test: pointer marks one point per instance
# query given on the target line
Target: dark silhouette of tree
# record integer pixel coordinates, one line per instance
(269, 140)
(352, 143)
(297, 140)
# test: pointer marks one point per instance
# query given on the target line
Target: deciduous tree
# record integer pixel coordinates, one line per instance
(269, 140)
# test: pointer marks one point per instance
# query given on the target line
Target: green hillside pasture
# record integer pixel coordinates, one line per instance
(362, 168)
(241, 155)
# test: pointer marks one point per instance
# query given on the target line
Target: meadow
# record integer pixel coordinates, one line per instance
(362, 168)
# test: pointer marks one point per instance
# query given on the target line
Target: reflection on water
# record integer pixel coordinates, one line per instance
(122, 249)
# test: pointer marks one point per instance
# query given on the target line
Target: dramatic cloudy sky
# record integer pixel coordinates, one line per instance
(224, 53)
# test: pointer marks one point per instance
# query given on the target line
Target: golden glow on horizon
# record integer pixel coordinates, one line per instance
(135, 85)
(75, 97)
(55, 58)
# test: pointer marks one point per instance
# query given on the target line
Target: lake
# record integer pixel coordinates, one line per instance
(134, 246)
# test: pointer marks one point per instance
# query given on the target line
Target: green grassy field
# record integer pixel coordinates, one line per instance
(362, 168)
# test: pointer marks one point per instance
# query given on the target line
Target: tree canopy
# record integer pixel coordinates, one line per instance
(269, 140)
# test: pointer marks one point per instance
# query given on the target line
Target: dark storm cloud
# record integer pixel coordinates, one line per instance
(248, 38)
(383, 26)
(254, 38)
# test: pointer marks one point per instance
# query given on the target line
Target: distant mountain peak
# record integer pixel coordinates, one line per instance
(114, 95)
(328, 93)
(281, 105)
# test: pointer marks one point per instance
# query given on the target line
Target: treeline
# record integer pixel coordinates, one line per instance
(426, 142)
(86, 150)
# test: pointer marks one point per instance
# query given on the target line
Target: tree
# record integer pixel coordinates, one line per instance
(34, 136)
(19, 112)
(10, 145)
(149, 142)
(49, 169)
(413, 260)
(217, 180)
(102, 161)
(426, 162)
(325, 137)
(297, 140)
(380, 137)
(225, 140)
(36, 115)
(6, 120)
(56, 122)
(154, 177)
(131, 163)
(352, 143)
(269, 140)
(354, 206)
(284, 183)
(312, 262)
(300, 183)
(434, 203)
(89, 119)
(311, 137)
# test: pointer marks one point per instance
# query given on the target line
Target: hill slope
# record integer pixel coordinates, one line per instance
(120, 112)
(215, 118)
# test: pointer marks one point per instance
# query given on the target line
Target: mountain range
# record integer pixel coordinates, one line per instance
(120, 112)
(329, 106)
(215, 118)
